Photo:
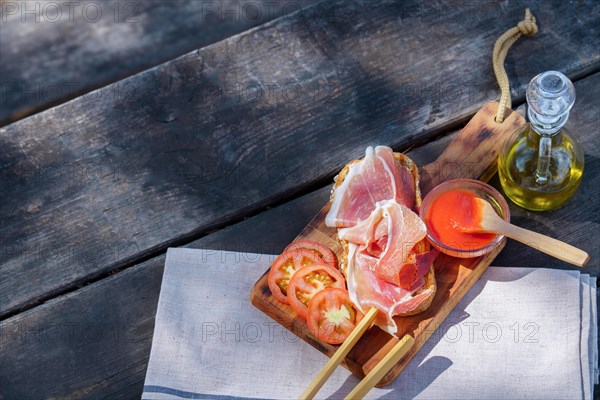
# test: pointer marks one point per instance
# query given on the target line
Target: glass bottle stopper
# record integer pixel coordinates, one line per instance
(550, 96)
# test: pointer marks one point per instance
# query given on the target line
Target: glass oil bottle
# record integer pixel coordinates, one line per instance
(540, 166)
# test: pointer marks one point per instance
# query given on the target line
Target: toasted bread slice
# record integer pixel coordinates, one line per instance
(422, 246)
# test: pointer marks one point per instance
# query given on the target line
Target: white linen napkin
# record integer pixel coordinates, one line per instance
(518, 333)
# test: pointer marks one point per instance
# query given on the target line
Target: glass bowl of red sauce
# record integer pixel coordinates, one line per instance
(451, 205)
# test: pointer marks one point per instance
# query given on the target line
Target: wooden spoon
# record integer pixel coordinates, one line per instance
(493, 223)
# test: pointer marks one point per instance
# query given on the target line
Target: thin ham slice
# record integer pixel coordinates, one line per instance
(366, 290)
(378, 176)
(386, 240)
(404, 181)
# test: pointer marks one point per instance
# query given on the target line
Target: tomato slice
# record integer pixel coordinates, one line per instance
(307, 281)
(320, 249)
(284, 267)
(332, 316)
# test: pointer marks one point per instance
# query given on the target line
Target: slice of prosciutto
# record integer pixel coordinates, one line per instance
(378, 176)
(386, 240)
(366, 290)
(383, 269)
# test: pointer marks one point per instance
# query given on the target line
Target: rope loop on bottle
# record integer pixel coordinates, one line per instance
(527, 27)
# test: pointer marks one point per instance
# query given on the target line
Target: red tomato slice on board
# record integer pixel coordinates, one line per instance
(320, 249)
(332, 316)
(307, 281)
(284, 267)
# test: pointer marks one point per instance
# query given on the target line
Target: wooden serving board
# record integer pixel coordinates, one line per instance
(472, 154)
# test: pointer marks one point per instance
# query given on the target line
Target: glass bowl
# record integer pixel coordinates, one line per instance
(479, 189)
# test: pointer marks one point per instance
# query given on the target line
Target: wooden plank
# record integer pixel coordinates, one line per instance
(52, 52)
(477, 147)
(100, 366)
(101, 182)
(96, 341)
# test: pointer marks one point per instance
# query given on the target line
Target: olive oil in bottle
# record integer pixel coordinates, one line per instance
(540, 166)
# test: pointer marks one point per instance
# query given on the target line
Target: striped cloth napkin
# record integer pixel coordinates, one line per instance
(527, 333)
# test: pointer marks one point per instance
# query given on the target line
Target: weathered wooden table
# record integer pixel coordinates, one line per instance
(231, 146)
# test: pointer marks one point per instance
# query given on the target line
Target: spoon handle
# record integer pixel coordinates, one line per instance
(543, 243)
